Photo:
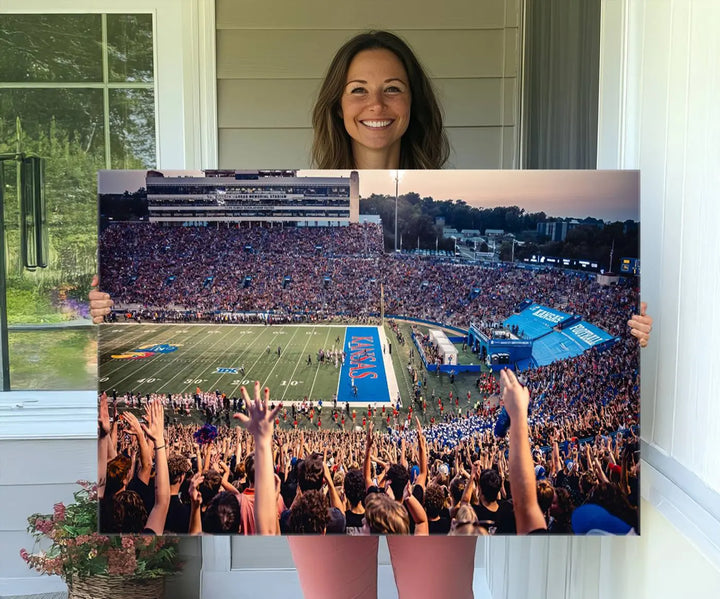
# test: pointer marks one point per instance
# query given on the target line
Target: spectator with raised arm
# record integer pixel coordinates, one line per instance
(156, 433)
(516, 398)
(260, 423)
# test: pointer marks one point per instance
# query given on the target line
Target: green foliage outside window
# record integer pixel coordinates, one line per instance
(81, 89)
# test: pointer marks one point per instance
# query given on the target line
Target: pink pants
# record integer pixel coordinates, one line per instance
(345, 567)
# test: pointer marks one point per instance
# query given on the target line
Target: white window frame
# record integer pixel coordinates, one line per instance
(186, 138)
(184, 60)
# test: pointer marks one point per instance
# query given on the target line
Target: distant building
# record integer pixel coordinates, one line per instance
(556, 230)
(494, 232)
(254, 196)
(370, 218)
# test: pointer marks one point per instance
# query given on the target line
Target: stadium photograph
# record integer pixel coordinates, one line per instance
(392, 317)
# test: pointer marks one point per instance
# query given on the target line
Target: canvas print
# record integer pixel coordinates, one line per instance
(369, 352)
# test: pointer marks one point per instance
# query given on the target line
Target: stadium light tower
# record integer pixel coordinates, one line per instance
(397, 182)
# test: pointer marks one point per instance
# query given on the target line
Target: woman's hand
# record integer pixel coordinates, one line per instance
(641, 325)
(100, 303)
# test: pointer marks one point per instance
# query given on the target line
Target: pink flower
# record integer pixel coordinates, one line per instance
(128, 543)
(59, 512)
(53, 565)
(43, 526)
(99, 539)
(121, 562)
(25, 555)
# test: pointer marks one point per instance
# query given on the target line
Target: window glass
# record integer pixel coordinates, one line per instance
(50, 48)
(130, 47)
(78, 91)
(132, 128)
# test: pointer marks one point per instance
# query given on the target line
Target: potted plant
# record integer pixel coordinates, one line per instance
(95, 565)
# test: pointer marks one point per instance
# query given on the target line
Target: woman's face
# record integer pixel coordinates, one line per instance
(375, 107)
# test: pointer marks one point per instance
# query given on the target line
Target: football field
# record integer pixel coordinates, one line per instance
(179, 358)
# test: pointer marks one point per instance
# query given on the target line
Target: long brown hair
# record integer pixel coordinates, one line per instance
(424, 145)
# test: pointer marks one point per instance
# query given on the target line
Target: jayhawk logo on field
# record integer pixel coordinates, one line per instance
(146, 351)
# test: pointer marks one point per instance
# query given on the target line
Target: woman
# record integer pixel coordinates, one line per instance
(377, 110)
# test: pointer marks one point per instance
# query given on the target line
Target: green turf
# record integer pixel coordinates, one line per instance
(202, 349)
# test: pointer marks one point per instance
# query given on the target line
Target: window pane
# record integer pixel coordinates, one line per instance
(64, 126)
(132, 128)
(50, 48)
(52, 344)
(130, 48)
(49, 117)
(54, 359)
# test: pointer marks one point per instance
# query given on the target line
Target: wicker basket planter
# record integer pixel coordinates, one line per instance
(116, 587)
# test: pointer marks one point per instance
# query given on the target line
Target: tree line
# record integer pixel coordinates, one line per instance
(420, 224)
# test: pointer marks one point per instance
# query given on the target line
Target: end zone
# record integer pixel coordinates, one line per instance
(367, 374)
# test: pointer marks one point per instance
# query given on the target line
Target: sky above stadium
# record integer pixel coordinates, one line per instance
(607, 195)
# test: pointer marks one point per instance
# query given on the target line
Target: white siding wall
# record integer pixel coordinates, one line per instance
(271, 58)
(658, 113)
(48, 441)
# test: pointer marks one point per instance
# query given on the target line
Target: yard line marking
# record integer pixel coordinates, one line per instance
(317, 370)
(287, 344)
(337, 390)
(241, 339)
(203, 354)
(259, 354)
(300, 359)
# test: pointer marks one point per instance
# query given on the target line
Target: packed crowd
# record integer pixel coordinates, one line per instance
(241, 274)
(568, 464)
(453, 475)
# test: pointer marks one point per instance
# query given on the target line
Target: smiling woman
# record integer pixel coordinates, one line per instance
(377, 109)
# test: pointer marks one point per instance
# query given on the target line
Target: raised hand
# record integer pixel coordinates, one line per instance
(641, 325)
(154, 413)
(369, 437)
(260, 421)
(100, 303)
(133, 423)
(326, 469)
(194, 489)
(103, 416)
(515, 396)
